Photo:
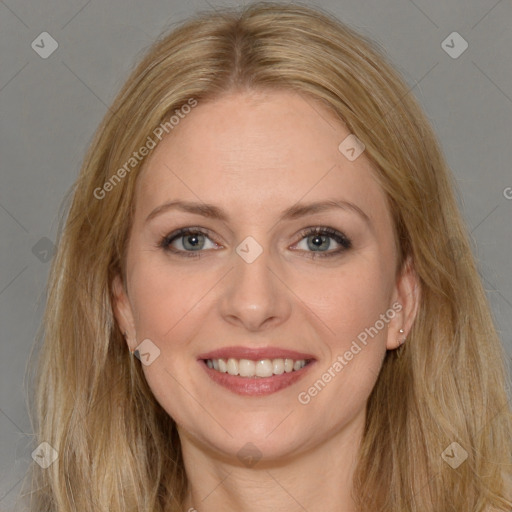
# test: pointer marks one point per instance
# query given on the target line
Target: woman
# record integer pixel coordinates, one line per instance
(255, 302)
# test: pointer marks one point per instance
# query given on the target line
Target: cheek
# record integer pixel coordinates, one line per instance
(162, 297)
(350, 299)
(352, 305)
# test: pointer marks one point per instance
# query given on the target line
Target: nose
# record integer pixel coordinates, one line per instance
(255, 295)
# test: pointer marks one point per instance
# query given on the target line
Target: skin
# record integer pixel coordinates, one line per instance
(254, 154)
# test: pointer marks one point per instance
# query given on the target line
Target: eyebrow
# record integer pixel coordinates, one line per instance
(294, 212)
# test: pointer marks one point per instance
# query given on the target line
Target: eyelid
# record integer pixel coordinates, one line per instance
(166, 240)
(325, 230)
(339, 237)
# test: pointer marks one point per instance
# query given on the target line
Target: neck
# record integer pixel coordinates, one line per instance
(317, 480)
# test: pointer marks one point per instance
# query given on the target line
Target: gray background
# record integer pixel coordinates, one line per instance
(49, 109)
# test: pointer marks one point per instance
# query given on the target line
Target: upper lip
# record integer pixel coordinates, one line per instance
(255, 354)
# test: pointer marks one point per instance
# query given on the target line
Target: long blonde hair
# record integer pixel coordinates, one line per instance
(118, 450)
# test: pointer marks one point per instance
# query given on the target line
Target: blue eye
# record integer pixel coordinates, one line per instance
(190, 242)
(318, 241)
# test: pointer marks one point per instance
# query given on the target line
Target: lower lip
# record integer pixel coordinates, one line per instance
(255, 386)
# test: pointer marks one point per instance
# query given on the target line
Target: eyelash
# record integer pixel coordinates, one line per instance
(337, 236)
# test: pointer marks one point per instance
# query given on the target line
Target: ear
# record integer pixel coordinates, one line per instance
(123, 310)
(406, 301)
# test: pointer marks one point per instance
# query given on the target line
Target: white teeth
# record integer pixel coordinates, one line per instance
(232, 366)
(246, 368)
(223, 367)
(260, 368)
(264, 368)
(278, 366)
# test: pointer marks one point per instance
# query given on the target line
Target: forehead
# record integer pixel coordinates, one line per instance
(256, 151)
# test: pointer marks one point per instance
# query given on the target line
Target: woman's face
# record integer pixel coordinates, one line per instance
(253, 286)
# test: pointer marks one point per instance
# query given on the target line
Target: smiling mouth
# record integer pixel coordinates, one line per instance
(261, 368)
